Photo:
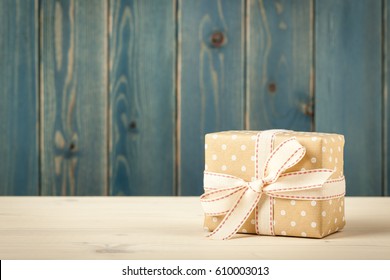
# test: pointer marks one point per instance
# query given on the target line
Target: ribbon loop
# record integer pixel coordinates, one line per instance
(286, 155)
(237, 198)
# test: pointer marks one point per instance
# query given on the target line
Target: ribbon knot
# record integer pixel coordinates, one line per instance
(256, 186)
(236, 198)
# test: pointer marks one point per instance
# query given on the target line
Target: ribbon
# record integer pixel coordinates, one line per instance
(236, 198)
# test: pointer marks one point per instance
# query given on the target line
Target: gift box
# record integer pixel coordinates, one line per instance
(273, 182)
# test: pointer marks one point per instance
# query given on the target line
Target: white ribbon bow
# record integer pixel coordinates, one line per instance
(230, 195)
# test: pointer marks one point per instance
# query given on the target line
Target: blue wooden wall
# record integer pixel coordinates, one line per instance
(114, 97)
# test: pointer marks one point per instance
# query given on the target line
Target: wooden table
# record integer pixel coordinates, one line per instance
(170, 228)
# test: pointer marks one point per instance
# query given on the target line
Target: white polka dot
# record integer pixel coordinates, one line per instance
(234, 157)
(323, 149)
(314, 139)
(244, 230)
(253, 221)
(214, 157)
(223, 146)
(252, 158)
(303, 213)
(343, 218)
(336, 160)
(331, 150)
(206, 167)
(335, 220)
(337, 229)
(274, 222)
(243, 147)
(303, 234)
(313, 224)
(330, 202)
(325, 141)
(234, 137)
(283, 212)
(339, 148)
(329, 231)
(339, 209)
(293, 223)
(303, 169)
(205, 146)
(215, 219)
(254, 137)
(283, 232)
(292, 202)
(341, 138)
(323, 213)
(243, 168)
(206, 229)
(313, 203)
(274, 201)
(223, 167)
(330, 159)
(215, 136)
(342, 203)
(313, 160)
(332, 139)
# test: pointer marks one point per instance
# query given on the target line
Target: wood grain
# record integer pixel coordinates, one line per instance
(279, 64)
(211, 81)
(19, 98)
(74, 97)
(142, 97)
(348, 86)
(170, 228)
(115, 97)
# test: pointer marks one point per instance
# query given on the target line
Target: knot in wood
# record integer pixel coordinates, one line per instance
(217, 39)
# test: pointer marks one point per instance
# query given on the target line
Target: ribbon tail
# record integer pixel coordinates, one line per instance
(236, 217)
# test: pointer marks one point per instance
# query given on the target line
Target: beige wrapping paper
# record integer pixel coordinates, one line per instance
(233, 153)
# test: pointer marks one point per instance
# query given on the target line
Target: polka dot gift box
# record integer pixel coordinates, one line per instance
(273, 182)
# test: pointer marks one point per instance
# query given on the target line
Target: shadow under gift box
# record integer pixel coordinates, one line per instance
(233, 153)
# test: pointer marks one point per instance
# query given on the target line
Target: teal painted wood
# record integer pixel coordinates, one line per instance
(74, 97)
(18, 98)
(211, 81)
(279, 64)
(348, 86)
(386, 99)
(142, 97)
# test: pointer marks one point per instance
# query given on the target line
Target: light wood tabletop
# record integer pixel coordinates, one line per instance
(170, 228)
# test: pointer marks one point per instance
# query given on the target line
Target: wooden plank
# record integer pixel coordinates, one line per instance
(19, 98)
(386, 99)
(74, 97)
(348, 86)
(170, 228)
(211, 81)
(279, 64)
(142, 97)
